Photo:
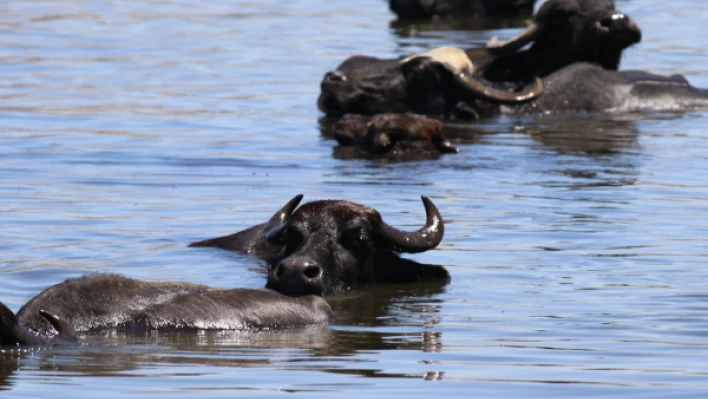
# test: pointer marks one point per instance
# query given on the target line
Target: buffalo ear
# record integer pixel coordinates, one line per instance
(419, 65)
(241, 241)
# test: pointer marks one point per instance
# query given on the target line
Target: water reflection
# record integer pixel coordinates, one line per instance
(413, 27)
(585, 135)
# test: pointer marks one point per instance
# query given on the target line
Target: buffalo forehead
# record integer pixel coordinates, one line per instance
(334, 214)
(595, 6)
(584, 7)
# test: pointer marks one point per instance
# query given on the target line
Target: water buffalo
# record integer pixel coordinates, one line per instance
(562, 32)
(458, 8)
(439, 82)
(333, 245)
(393, 134)
(106, 301)
(577, 49)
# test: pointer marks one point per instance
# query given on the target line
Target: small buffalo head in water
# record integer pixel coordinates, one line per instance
(393, 134)
(331, 245)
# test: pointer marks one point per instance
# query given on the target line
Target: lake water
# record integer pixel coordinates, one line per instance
(578, 245)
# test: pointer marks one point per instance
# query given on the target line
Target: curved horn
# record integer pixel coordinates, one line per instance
(428, 237)
(487, 93)
(272, 229)
(509, 46)
(65, 330)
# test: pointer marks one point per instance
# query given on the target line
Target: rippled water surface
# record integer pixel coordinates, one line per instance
(578, 245)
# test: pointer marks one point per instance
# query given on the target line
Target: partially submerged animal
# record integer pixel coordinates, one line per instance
(439, 82)
(330, 245)
(458, 8)
(562, 32)
(577, 47)
(105, 301)
(393, 134)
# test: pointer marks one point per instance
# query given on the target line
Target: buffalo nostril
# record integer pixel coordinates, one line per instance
(279, 270)
(312, 272)
(610, 20)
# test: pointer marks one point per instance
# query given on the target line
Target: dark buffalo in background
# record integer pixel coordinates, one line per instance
(393, 135)
(577, 48)
(459, 8)
(331, 245)
(439, 82)
(103, 301)
(562, 32)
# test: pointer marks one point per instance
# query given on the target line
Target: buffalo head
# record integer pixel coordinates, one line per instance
(393, 134)
(330, 245)
(564, 32)
(439, 82)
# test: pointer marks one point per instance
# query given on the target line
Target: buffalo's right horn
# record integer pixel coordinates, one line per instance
(428, 237)
(509, 46)
(272, 229)
(488, 93)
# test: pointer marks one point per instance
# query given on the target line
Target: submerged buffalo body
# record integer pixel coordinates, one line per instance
(585, 87)
(393, 134)
(458, 8)
(102, 301)
(331, 245)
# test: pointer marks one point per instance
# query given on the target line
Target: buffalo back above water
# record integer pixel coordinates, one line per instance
(585, 87)
(103, 301)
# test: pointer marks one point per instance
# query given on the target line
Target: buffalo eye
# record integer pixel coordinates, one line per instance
(561, 15)
(355, 239)
(287, 236)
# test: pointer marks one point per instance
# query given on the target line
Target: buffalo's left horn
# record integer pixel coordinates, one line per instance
(65, 330)
(509, 46)
(428, 237)
(274, 227)
(490, 94)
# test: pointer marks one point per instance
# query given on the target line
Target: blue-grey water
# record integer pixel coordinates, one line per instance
(577, 244)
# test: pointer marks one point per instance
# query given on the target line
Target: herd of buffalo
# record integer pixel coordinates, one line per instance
(567, 60)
